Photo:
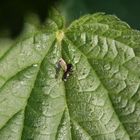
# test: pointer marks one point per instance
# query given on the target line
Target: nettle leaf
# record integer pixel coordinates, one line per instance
(100, 99)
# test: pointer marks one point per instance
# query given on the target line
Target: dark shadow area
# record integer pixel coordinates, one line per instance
(12, 13)
(126, 10)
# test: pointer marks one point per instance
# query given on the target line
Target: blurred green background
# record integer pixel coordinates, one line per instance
(13, 12)
(126, 10)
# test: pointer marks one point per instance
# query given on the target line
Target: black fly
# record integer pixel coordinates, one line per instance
(67, 68)
(67, 72)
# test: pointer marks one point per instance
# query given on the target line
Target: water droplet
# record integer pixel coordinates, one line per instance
(35, 65)
(22, 82)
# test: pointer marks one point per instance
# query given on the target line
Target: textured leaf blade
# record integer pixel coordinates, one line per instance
(115, 60)
(100, 100)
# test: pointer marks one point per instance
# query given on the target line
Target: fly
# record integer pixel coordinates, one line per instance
(67, 68)
(67, 72)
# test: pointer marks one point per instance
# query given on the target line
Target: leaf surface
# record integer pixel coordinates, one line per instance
(99, 100)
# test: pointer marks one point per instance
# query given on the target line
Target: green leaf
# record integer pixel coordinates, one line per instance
(99, 100)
